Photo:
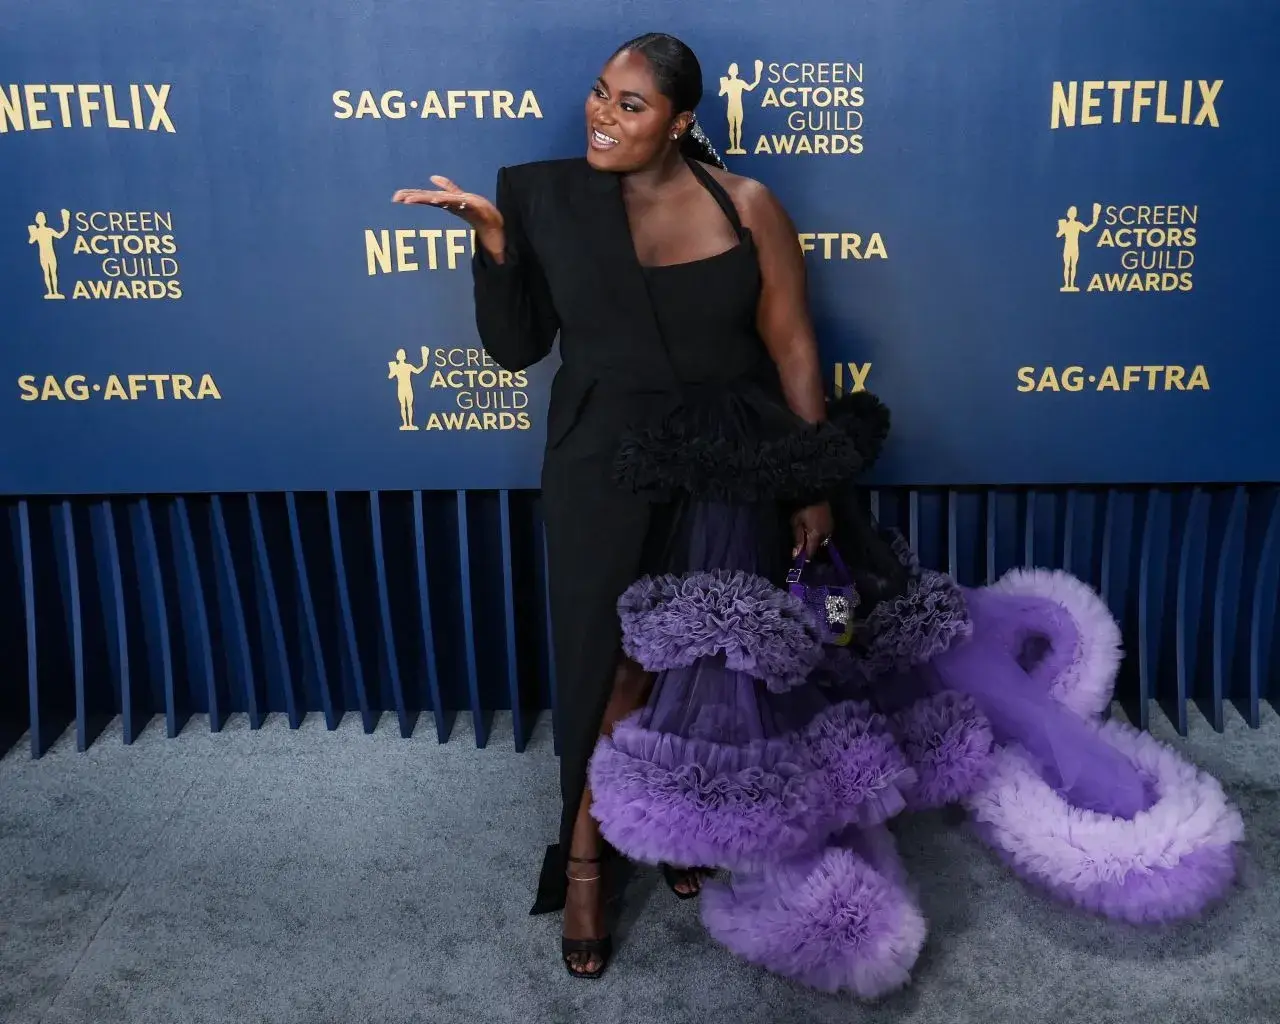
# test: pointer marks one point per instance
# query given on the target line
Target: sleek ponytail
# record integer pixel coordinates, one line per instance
(679, 77)
(695, 145)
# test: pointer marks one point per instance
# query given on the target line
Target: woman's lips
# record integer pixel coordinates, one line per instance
(599, 140)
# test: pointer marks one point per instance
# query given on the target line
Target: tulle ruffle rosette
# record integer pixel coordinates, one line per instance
(671, 621)
(915, 626)
(909, 628)
(840, 919)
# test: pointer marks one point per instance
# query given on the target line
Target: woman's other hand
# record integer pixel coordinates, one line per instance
(812, 527)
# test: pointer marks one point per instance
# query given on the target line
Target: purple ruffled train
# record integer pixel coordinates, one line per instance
(774, 756)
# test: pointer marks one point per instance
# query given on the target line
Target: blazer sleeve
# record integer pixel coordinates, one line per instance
(515, 316)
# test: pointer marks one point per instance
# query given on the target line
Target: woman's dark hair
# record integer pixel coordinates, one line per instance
(679, 77)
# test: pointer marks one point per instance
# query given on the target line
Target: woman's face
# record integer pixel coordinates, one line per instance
(629, 122)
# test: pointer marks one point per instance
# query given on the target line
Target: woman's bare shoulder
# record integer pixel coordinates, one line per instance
(757, 206)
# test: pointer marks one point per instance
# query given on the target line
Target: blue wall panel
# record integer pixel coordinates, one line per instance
(417, 604)
(934, 242)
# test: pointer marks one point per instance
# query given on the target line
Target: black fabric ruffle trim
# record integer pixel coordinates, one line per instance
(865, 419)
(748, 446)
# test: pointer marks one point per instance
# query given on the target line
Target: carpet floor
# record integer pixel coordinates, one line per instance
(310, 877)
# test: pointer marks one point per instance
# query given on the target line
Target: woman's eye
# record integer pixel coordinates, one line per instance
(598, 91)
(631, 108)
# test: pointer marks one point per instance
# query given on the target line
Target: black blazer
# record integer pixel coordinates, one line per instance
(570, 269)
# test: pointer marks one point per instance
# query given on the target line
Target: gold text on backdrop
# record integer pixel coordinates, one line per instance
(1151, 100)
(1113, 378)
(448, 105)
(77, 387)
(134, 253)
(802, 108)
(1141, 248)
(32, 107)
(481, 395)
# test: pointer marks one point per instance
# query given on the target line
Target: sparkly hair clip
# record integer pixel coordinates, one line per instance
(700, 137)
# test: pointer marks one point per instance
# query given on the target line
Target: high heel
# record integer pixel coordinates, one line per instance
(589, 949)
(678, 876)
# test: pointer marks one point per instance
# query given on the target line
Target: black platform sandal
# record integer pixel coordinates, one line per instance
(588, 949)
(684, 876)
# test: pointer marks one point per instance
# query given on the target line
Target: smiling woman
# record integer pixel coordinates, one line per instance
(659, 271)
(625, 122)
(692, 465)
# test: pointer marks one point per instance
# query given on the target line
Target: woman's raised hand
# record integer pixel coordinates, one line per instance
(476, 210)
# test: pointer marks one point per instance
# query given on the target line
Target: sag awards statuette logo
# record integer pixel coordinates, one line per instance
(1084, 104)
(32, 107)
(1139, 248)
(467, 390)
(133, 253)
(804, 108)
(447, 104)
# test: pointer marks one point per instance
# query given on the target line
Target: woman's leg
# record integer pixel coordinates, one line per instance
(584, 903)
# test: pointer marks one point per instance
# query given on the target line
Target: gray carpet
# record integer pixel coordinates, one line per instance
(317, 877)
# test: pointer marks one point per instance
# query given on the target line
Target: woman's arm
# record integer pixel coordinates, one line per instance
(514, 312)
(782, 317)
(515, 316)
(784, 324)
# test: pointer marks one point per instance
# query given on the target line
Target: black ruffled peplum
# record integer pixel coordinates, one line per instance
(742, 444)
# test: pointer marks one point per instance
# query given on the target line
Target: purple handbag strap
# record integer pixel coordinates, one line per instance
(797, 569)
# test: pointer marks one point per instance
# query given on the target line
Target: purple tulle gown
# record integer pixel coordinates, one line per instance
(766, 751)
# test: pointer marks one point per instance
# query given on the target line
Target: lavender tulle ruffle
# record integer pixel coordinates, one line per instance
(841, 918)
(784, 772)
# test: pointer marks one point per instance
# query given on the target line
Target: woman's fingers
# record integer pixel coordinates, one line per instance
(428, 197)
(444, 183)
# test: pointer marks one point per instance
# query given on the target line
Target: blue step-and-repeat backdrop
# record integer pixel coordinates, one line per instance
(1046, 234)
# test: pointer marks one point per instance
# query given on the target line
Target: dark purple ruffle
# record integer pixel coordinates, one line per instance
(672, 621)
(916, 626)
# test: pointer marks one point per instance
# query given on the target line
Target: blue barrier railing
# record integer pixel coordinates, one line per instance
(407, 603)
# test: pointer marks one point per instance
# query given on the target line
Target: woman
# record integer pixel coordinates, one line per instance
(634, 257)
(767, 732)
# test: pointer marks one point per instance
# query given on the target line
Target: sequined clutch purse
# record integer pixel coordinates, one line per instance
(828, 590)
